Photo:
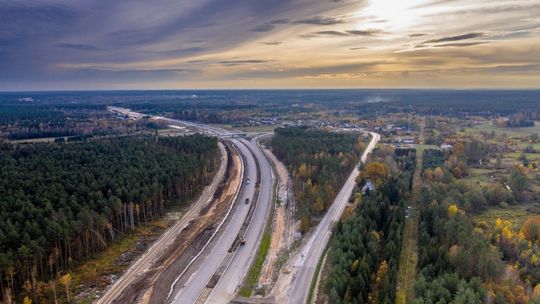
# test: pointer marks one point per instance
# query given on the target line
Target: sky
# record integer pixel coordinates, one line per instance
(183, 44)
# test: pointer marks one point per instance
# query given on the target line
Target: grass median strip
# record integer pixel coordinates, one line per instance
(255, 269)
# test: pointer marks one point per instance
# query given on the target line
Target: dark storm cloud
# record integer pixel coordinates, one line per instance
(242, 62)
(464, 44)
(349, 33)
(262, 28)
(370, 32)
(177, 52)
(329, 33)
(78, 46)
(318, 20)
(197, 61)
(267, 27)
(140, 71)
(456, 38)
(279, 21)
(272, 43)
(432, 3)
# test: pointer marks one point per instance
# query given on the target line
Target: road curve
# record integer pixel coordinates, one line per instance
(217, 256)
(144, 262)
(294, 287)
(236, 271)
(210, 262)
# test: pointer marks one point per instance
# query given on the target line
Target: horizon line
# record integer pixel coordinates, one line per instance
(277, 89)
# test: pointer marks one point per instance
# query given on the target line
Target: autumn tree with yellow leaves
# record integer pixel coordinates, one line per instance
(65, 280)
(375, 172)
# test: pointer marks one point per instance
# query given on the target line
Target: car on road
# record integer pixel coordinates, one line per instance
(408, 212)
(247, 200)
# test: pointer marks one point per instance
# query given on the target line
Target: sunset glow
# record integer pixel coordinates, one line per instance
(261, 44)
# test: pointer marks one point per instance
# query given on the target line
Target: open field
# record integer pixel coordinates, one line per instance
(480, 176)
(516, 214)
(530, 156)
(488, 126)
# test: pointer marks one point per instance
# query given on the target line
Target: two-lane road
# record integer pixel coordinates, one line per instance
(294, 287)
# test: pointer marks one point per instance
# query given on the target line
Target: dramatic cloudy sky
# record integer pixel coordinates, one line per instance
(103, 44)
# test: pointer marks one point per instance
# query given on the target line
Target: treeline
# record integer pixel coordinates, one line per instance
(63, 203)
(28, 121)
(519, 120)
(40, 120)
(364, 252)
(319, 162)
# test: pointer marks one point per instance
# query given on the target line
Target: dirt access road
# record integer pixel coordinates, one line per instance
(283, 226)
(151, 260)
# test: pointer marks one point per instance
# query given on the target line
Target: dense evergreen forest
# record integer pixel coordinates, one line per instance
(319, 162)
(454, 259)
(364, 252)
(63, 120)
(63, 203)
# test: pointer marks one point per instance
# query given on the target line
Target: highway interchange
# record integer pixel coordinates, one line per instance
(221, 268)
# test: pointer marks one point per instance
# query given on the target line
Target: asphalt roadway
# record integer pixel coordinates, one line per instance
(304, 263)
(236, 270)
(225, 290)
(196, 278)
(145, 262)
